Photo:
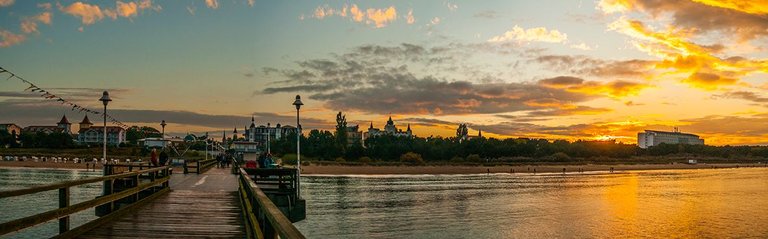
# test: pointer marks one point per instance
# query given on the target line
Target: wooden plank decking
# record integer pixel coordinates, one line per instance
(199, 206)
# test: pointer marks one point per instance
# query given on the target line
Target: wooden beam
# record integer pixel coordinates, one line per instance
(114, 215)
(33, 220)
(276, 218)
(63, 203)
(37, 189)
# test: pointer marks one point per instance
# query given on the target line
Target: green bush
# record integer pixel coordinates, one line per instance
(289, 159)
(411, 158)
(560, 157)
(341, 160)
(474, 158)
(365, 160)
(457, 159)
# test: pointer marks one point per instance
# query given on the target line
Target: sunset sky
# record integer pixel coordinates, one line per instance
(545, 69)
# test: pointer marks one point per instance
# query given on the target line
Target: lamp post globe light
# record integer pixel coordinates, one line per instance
(105, 100)
(298, 105)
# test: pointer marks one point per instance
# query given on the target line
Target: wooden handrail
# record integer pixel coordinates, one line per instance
(65, 210)
(276, 219)
(37, 189)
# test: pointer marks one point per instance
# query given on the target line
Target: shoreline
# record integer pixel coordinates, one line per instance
(513, 169)
(437, 169)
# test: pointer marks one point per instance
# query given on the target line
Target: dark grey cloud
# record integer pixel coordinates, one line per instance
(703, 18)
(743, 95)
(382, 79)
(487, 14)
(585, 65)
(71, 94)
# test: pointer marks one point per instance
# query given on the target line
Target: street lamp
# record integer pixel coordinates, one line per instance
(298, 105)
(105, 100)
(163, 124)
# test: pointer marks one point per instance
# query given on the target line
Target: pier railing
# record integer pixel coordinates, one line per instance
(199, 166)
(263, 219)
(134, 192)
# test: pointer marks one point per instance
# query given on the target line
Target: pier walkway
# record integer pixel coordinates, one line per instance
(198, 206)
(141, 201)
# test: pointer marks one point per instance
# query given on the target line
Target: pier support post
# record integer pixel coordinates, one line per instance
(63, 203)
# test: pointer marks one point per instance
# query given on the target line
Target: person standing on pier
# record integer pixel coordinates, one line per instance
(153, 157)
(163, 158)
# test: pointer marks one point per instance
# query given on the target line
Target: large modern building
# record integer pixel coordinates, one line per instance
(651, 138)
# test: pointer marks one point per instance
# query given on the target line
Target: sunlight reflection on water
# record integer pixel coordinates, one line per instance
(670, 203)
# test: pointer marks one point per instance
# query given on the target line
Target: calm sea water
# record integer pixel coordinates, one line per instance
(28, 205)
(722, 203)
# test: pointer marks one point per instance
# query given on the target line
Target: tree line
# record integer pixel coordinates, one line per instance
(327, 145)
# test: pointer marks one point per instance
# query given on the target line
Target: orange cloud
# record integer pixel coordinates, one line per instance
(357, 15)
(29, 24)
(614, 89)
(372, 16)
(709, 81)
(759, 7)
(539, 34)
(409, 18)
(89, 14)
(127, 10)
(214, 4)
(382, 17)
(682, 56)
(6, 3)
(8, 38)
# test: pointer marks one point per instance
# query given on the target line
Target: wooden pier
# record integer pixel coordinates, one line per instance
(151, 203)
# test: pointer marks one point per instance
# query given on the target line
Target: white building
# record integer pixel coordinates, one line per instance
(90, 134)
(389, 129)
(651, 138)
(260, 133)
(159, 142)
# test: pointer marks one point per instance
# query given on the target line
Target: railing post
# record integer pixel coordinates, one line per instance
(198, 166)
(64, 202)
(186, 171)
(111, 191)
(136, 196)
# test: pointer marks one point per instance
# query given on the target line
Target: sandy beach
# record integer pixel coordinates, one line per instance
(33, 164)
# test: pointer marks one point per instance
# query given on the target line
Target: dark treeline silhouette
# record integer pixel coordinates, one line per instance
(322, 145)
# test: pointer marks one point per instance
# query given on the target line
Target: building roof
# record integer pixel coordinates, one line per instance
(37, 128)
(64, 120)
(668, 132)
(85, 120)
(9, 125)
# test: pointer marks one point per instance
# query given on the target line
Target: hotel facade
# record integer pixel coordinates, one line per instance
(651, 138)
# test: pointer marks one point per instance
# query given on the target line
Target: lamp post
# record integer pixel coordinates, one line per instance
(298, 105)
(105, 100)
(163, 124)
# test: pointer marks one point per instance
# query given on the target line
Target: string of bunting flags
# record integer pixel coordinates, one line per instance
(50, 96)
